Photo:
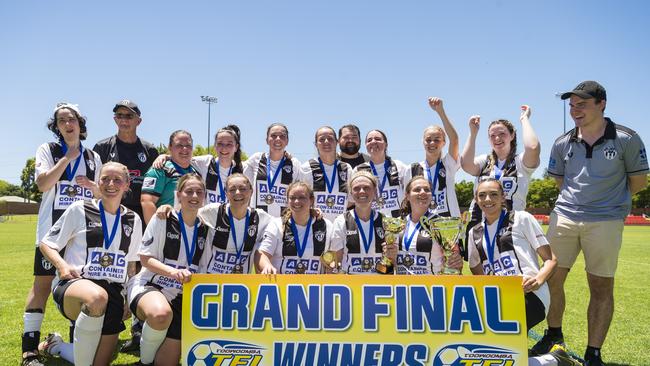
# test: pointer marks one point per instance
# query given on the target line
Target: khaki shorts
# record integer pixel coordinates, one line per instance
(600, 242)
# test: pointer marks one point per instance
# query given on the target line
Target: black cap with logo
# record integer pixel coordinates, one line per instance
(587, 90)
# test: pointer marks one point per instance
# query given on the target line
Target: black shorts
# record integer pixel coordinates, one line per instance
(174, 331)
(43, 267)
(535, 310)
(113, 323)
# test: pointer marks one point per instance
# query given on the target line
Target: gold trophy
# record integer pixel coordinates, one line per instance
(329, 261)
(392, 227)
(446, 231)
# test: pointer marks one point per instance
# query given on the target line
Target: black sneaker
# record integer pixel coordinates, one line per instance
(32, 360)
(132, 345)
(544, 345)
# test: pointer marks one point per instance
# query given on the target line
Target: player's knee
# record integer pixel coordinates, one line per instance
(95, 302)
(160, 318)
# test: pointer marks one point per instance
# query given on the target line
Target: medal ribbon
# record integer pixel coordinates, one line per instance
(222, 192)
(301, 247)
(385, 179)
(108, 240)
(70, 173)
(491, 244)
(368, 241)
(189, 249)
(409, 238)
(269, 181)
(234, 233)
(329, 184)
(434, 181)
(498, 170)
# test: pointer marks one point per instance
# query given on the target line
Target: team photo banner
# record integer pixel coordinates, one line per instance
(353, 320)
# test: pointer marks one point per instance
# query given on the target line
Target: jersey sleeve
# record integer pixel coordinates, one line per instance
(136, 240)
(271, 240)
(306, 175)
(519, 160)
(474, 259)
(250, 167)
(72, 222)
(201, 164)
(481, 161)
(297, 170)
(208, 213)
(43, 161)
(636, 159)
(153, 240)
(532, 230)
(154, 182)
(265, 221)
(98, 165)
(556, 161)
(451, 165)
(339, 235)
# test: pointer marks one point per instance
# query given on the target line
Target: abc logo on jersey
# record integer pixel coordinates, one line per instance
(475, 355)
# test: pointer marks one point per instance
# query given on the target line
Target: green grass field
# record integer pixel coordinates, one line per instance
(626, 344)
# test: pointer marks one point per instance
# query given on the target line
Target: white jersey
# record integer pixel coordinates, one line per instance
(347, 236)
(80, 232)
(444, 194)
(270, 199)
(57, 198)
(515, 253)
(514, 179)
(280, 243)
(422, 255)
(331, 203)
(225, 256)
(205, 165)
(391, 195)
(163, 241)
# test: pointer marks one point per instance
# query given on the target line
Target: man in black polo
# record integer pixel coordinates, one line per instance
(598, 166)
(349, 144)
(137, 155)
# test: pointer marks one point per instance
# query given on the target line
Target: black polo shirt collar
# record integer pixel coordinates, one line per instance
(610, 134)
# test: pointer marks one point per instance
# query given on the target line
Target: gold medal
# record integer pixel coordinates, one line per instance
(408, 260)
(269, 199)
(238, 269)
(330, 202)
(366, 264)
(105, 260)
(300, 268)
(71, 191)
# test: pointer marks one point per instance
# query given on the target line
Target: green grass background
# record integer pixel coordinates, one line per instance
(628, 342)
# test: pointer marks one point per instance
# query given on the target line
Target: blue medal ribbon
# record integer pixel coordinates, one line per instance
(498, 170)
(234, 233)
(385, 179)
(222, 192)
(300, 246)
(108, 239)
(329, 184)
(271, 181)
(409, 238)
(491, 244)
(70, 173)
(189, 248)
(433, 182)
(368, 241)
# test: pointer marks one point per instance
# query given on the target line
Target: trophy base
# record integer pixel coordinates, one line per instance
(450, 271)
(384, 268)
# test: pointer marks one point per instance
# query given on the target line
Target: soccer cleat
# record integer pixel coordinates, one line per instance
(32, 360)
(544, 345)
(45, 347)
(131, 345)
(562, 357)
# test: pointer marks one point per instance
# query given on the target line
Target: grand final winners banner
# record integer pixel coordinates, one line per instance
(353, 320)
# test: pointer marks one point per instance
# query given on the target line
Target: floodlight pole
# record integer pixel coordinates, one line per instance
(209, 100)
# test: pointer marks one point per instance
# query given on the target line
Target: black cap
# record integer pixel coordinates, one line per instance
(127, 104)
(587, 90)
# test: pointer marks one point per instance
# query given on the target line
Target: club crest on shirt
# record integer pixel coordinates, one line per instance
(288, 169)
(609, 152)
(442, 173)
(142, 157)
(128, 230)
(319, 235)
(343, 175)
(91, 164)
(380, 233)
(252, 230)
(200, 242)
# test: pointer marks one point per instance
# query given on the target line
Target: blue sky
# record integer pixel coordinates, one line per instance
(308, 64)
